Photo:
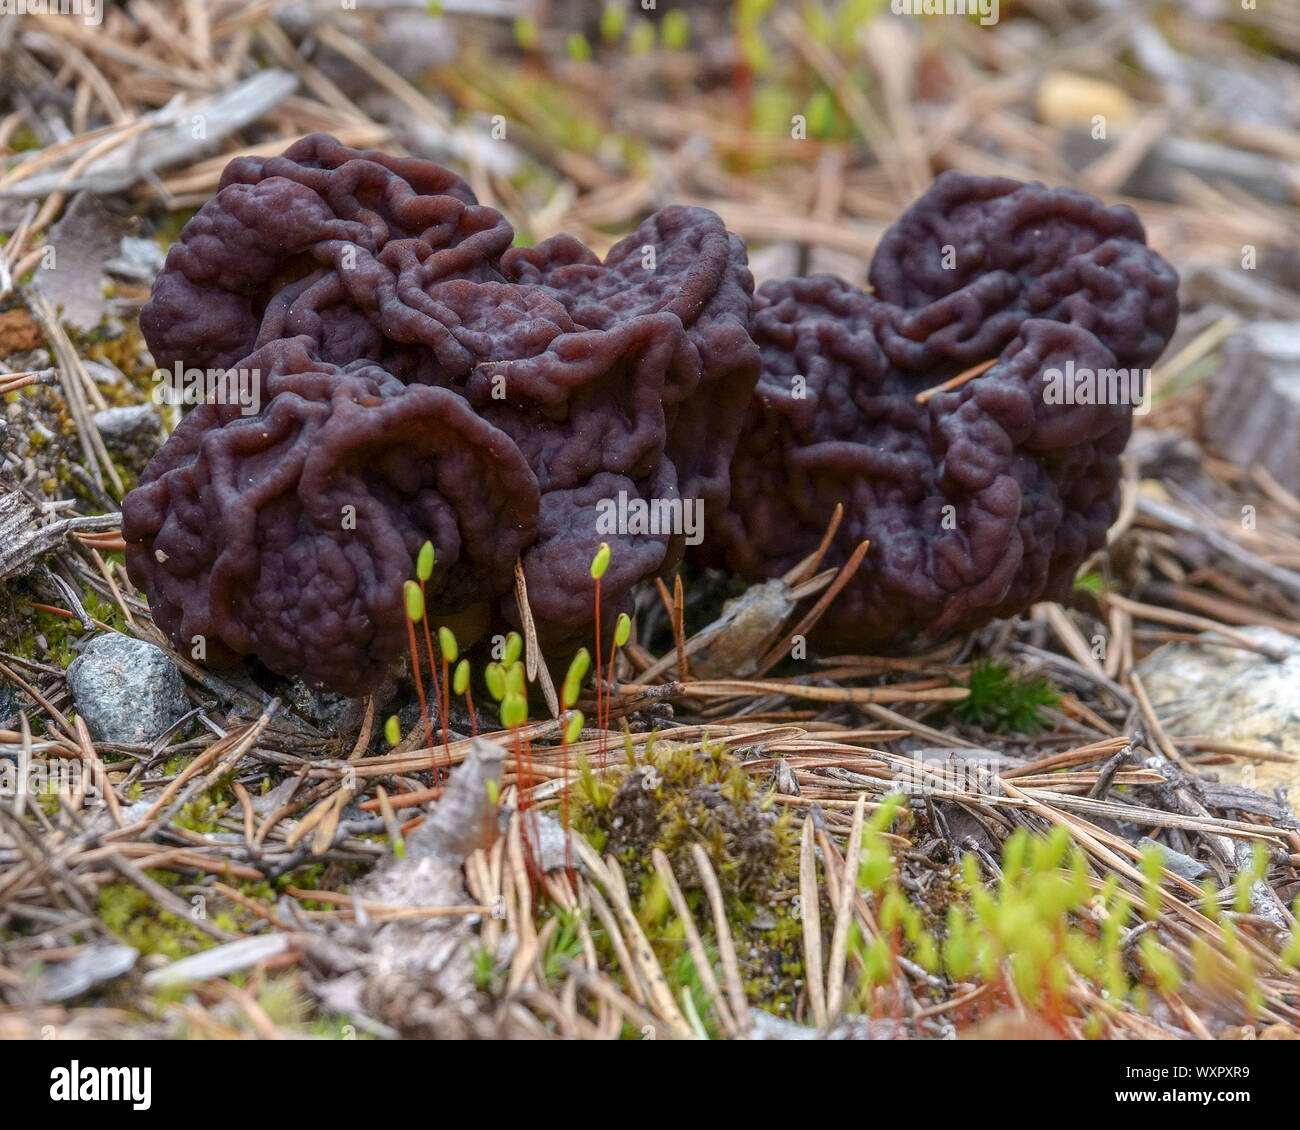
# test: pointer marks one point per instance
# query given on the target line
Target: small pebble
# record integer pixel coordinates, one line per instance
(127, 690)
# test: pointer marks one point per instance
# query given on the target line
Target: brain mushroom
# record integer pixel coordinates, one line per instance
(351, 227)
(975, 256)
(441, 389)
(684, 262)
(977, 501)
(287, 534)
(421, 379)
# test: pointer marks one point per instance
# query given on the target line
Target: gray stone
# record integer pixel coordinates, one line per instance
(326, 712)
(413, 42)
(67, 979)
(103, 372)
(550, 841)
(127, 690)
(128, 425)
(1253, 412)
(1175, 861)
(133, 434)
(8, 704)
(137, 259)
(1224, 694)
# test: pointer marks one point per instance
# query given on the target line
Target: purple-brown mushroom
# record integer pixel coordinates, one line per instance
(288, 534)
(422, 380)
(976, 501)
(684, 262)
(496, 404)
(356, 231)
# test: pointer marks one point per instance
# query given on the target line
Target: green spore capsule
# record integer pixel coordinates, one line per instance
(447, 644)
(414, 602)
(600, 562)
(514, 711)
(573, 730)
(515, 679)
(424, 562)
(622, 629)
(573, 680)
(460, 681)
(514, 648)
(392, 730)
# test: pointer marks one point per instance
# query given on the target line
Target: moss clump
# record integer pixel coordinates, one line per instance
(23, 140)
(1045, 923)
(284, 1002)
(123, 352)
(676, 796)
(135, 918)
(311, 876)
(680, 795)
(1003, 702)
(203, 814)
(44, 637)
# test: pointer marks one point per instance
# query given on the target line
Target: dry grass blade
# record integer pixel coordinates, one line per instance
(964, 377)
(229, 749)
(600, 986)
(897, 693)
(703, 967)
(1288, 580)
(810, 917)
(809, 565)
(842, 578)
(726, 947)
(97, 766)
(642, 955)
(536, 667)
(1157, 730)
(631, 969)
(1196, 623)
(517, 871)
(844, 914)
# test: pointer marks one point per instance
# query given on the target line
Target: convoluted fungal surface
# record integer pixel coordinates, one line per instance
(288, 534)
(683, 262)
(981, 500)
(353, 231)
(420, 379)
(415, 371)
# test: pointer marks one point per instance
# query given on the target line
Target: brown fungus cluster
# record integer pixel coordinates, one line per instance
(420, 379)
(977, 501)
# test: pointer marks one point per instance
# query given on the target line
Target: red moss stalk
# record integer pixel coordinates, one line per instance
(473, 718)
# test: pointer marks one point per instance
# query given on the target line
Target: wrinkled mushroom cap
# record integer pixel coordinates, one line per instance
(288, 534)
(981, 500)
(412, 368)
